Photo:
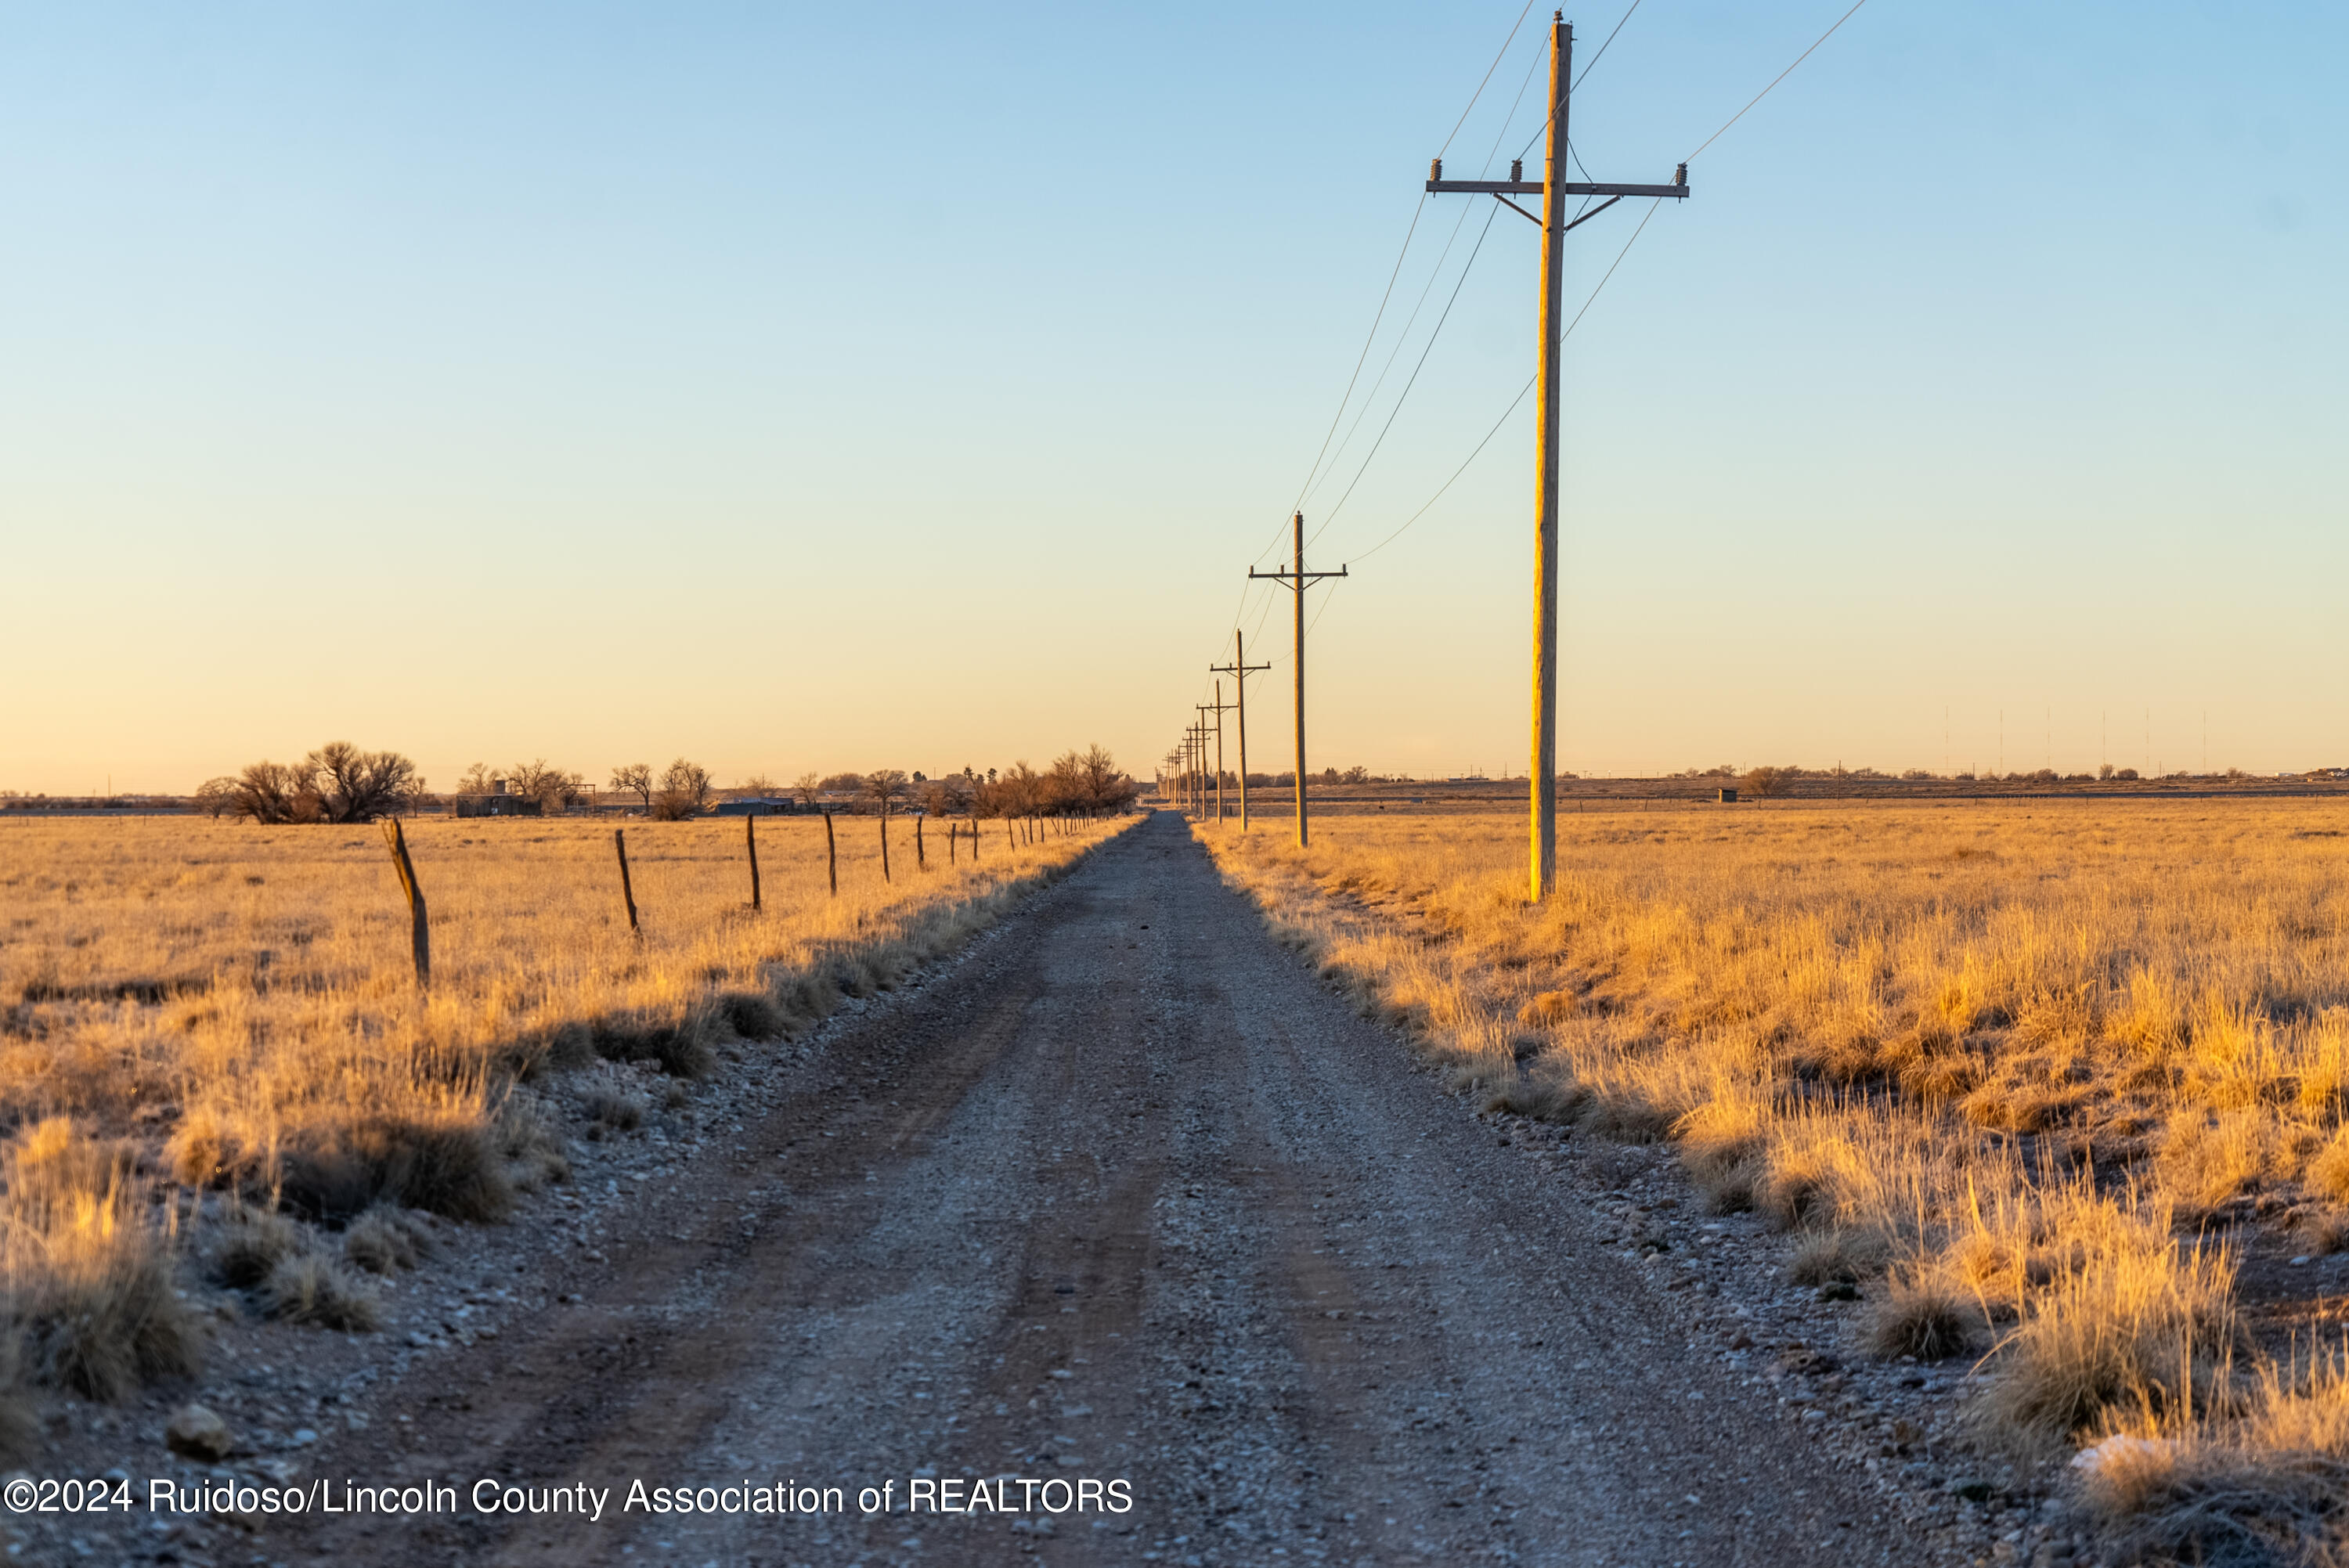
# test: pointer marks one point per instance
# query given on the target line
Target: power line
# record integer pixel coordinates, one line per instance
(1332, 515)
(1578, 80)
(1781, 77)
(1488, 76)
(1520, 397)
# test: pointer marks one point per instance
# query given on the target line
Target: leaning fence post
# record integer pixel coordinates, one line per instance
(751, 838)
(884, 840)
(832, 854)
(420, 932)
(627, 892)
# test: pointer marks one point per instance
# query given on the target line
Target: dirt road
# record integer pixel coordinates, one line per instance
(1125, 1195)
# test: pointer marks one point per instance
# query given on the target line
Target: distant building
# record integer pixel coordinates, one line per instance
(757, 806)
(499, 805)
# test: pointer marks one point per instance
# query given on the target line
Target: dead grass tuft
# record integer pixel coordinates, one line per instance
(313, 1288)
(1920, 1312)
(383, 1240)
(86, 1275)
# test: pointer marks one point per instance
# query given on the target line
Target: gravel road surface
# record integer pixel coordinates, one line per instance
(1125, 1195)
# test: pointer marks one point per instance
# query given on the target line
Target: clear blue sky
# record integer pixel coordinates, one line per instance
(842, 387)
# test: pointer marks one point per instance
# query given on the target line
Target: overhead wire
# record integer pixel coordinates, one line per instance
(1781, 77)
(1591, 66)
(1520, 397)
(1339, 505)
(1314, 474)
(1626, 251)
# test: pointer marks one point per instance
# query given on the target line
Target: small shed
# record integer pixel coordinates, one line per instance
(756, 805)
(1729, 794)
(499, 805)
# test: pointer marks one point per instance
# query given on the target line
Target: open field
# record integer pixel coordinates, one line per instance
(2056, 1088)
(216, 1058)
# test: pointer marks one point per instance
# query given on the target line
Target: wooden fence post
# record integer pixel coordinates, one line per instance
(884, 840)
(951, 830)
(751, 838)
(419, 932)
(921, 859)
(628, 892)
(974, 835)
(832, 854)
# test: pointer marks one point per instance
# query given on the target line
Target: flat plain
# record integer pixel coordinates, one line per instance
(2052, 1091)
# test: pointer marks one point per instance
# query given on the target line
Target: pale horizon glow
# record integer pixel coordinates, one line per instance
(835, 388)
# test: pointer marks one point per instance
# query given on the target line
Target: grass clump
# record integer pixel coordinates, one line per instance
(383, 1240)
(311, 1287)
(86, 1277)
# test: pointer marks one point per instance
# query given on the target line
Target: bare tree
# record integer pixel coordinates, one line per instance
(636, 778)
(216, 797)
(684, 791)
(807, 786)
(551, 787)
(759, 785)
(475, 781)
(356, 785)
(336, 783)
(886, 785)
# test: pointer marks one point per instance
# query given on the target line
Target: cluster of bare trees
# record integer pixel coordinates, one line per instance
(680, 790)
(554, 789)
(1086, 783)
(336, 783)
(341, 783)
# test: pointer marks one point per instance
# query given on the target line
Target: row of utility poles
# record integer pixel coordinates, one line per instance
(1555, 190)
(1198, 783)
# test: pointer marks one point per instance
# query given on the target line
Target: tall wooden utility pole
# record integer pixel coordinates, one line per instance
(1218, 707)
(1298, 580)
(1240, 670)
(1554, 190)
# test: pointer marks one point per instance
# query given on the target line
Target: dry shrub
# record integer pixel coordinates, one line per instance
(1919, 1311)
(2137, 1323)
(448, 1164)
(311, 1287)
(2204, 1160)
(383, 1239)
(2328, 1170)
(250, 1243)
(1723, 1142)
(86, 1277)
(610, 1110)
(2264, 1481)
(530, 1143)
(752, 1015)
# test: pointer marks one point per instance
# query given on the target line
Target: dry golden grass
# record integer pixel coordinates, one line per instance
(2016, 1058)
(230, 1007)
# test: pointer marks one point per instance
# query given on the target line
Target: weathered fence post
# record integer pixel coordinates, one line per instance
(832, 854)
(974, 835)
(751, 838)
(884, 840)
(419, 932)
(951, 830)
(921, 859)
(628, 892)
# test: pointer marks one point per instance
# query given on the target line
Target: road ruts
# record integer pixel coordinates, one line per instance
(1125, 1193)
